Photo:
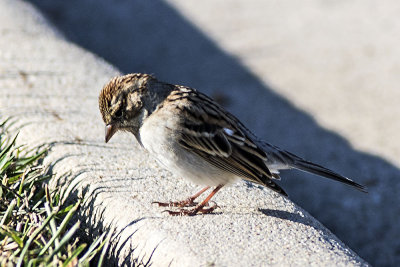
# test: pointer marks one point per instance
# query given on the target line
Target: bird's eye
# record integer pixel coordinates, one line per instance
(118, 113)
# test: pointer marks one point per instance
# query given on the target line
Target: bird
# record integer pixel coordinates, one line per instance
(194, 137)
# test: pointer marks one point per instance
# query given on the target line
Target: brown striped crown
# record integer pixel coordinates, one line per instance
(133, 81)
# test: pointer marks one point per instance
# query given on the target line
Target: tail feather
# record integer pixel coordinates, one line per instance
(282, 159)
(311, 167)
(275, 187)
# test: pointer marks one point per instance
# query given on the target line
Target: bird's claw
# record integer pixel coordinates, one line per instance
(184, 203)
(193, 211)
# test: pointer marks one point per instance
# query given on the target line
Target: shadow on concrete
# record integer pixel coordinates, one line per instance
(93, 218)
(152, 37)
(289, 216)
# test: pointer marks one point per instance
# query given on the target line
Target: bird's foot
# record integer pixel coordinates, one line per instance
(189, 202)
(180, 204)
(191, 212)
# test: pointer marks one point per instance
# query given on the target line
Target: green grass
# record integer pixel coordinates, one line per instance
(35, 226)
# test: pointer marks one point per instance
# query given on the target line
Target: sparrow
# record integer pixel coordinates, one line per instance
(194, 137)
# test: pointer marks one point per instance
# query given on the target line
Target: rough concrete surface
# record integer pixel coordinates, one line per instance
(320, 79)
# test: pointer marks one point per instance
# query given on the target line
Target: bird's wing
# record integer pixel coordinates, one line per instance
(219, 138)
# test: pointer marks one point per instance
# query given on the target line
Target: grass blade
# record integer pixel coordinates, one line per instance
(65, 239)
(60, 228)
(32, 238)
(8, 211)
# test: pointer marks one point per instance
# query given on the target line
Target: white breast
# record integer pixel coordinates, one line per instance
(161, 140)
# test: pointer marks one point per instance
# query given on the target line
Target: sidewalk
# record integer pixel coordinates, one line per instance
(319, 78)
(52, 87)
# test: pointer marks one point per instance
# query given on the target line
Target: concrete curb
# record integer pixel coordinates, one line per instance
(51, 86)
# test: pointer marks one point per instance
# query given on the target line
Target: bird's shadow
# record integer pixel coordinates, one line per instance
(153, 37)
(288, 216)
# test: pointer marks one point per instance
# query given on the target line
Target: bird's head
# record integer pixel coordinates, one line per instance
(122, 103)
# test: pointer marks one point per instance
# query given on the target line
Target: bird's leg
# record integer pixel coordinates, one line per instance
(200, 208)
(184, 203)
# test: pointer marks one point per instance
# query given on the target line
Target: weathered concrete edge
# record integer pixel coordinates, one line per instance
(121, 245)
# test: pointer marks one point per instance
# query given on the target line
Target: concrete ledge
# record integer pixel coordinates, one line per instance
(51, 86)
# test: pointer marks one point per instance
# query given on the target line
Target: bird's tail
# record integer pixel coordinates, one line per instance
(283, 159)
(307, 166)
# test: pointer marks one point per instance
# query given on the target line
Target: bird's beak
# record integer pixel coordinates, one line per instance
(110, 131)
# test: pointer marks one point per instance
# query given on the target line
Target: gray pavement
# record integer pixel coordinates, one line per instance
(261, 67)
(319, 78)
